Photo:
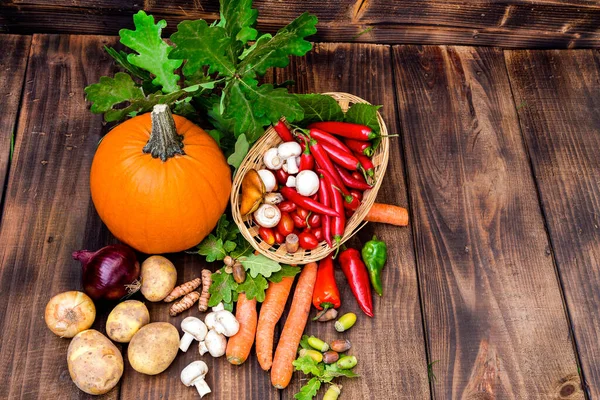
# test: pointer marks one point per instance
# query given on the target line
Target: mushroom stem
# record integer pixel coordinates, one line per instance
(185, 342)
(202, 387)
(202, 349)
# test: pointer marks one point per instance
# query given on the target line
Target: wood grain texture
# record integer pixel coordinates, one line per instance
(493, 308)
(516, 23)
(12, 73)
(46, 213)
(393, 340)
(558, 97)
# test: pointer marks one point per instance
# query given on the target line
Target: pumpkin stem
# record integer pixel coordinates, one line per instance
(164, 140)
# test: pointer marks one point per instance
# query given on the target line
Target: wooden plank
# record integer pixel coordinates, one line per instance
(517, 23)
(46, 213)
(493, 308)
(12, 64)
(557, 93)
(393, 340)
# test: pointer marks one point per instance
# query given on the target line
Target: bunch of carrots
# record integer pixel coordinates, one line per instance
(263, 327)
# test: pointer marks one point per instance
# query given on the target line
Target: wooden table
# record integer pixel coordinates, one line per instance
(491, 292)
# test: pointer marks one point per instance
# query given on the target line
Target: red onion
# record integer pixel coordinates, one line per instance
(109, 273)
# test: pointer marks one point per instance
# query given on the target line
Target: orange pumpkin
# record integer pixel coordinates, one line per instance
(159, 182)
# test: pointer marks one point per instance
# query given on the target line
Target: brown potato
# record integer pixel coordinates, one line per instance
(126, 319)
(159, 277)
(94, 362)
(153, 348)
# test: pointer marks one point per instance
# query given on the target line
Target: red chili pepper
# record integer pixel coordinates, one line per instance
(286, 206)
(302, 213)
(285, 225)
(299, 222)
(326, 294)
(366, 164)
(307, 202)
(341, 158)
(357, 193)
(318, 232)
(281, 176)
(358, 279)
(308, 241)
(346, 129)
(327, 138)
(325, 198)
(359, 176)
(324, 162)
(350, 181)
(350, 213)
(360, 146)
(283, 131)
(355, 203)
(313, 221)
(279, 238)
(267, 235)
(307, 161)
(339, 222)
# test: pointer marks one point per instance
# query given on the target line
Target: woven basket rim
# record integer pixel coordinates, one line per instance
(254, 160)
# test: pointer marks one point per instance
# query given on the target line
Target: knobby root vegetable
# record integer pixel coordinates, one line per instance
(159, 277)
(153, 348)
(388, 214)
(281, 372)
(315, 355)
(95, 363)
(69, 313)
(183, 289)
(205, 296)
(184, 304)
(240, 344)
(126, 319)
(341, 345)
(345, 322)
(270, 312)
(329, 357)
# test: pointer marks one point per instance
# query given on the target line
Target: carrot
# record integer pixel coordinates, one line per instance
(240, 344)
(388, 214)
(270, 312)
(282, 370)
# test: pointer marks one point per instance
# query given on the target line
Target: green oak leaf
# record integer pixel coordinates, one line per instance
(239, 107)
(364, 114)
(257, 264)
(333, 371)
(222, 288)
(120, 58)
(241, 149)
(109, 92)
(285, 271)
(289, 40)
(237, 18)
(319, 107)
(304, 343)
(273, 103)
(202, 45)
(254, 288)
(307, 365)
(212, 248)
(259, 42)
(244, 248)
(153, 51)
(309, 390)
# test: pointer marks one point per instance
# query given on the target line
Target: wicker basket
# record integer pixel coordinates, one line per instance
(254, 161)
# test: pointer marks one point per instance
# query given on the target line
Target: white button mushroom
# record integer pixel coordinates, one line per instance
(307, 183)
(194, 374)
(227, 324)
(268, 179)
(215, 343)
(267, 215)
(218, 307)
(193, 328)
(272, 160)
(289, 151)
(291, 181)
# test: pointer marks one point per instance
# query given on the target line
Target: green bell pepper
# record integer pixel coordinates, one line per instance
(374, 254)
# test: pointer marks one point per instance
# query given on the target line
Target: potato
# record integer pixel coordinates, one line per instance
(95, 363)
(126, 319)
(153, 348)
(158, 278)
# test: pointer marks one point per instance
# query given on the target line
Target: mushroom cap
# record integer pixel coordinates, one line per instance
(194, 371)
(289, 149)
(216, 343)
(195, 327)
(228, 322)
(267, 216)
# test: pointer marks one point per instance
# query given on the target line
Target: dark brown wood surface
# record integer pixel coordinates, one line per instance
(558, 94)
(494, 315)
(12, 74)
(393, 340)
(517, 23)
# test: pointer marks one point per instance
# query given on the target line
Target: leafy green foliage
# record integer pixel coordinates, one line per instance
(285, 271)
(112, 91)
(309, 390)
(304, 343)
(254, 287)
(241, 149)
(332, 371)
(238, 18)
(222, 289)
(319, 107)
(153, 51)
(257, 264)
(308, 366)
(364, 114)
